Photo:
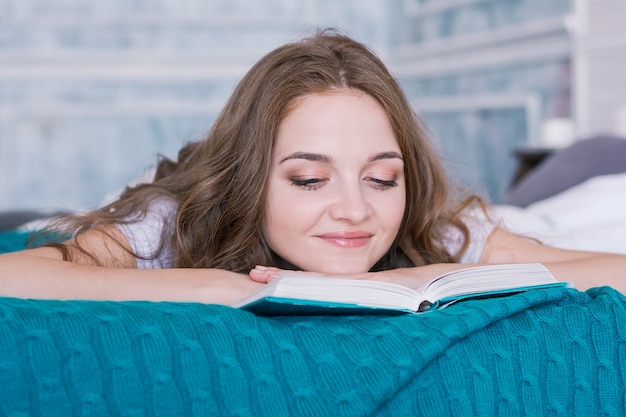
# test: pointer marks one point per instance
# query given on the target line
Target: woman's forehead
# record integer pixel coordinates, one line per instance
(342, 123)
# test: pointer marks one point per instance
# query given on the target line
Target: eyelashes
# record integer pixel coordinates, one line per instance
(308, 183)
(316, 183)
(379, 184)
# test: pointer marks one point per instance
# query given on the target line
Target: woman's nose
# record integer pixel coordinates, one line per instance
(350, 204)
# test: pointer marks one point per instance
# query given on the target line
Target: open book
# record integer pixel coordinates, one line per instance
(300, 295)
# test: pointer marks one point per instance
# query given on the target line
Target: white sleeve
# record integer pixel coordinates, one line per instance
(144, 235)
(480, 227)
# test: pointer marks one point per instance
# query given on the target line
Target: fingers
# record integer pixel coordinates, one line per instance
(264, 274)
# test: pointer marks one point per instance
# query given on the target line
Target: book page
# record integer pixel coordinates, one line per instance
(488, 279)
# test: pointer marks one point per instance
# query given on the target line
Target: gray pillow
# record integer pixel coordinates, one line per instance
(599, 155)
(12, 219)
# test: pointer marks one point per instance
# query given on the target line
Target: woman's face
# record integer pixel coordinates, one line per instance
(336, 188)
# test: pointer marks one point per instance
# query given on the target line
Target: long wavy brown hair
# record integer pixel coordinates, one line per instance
(220, 182)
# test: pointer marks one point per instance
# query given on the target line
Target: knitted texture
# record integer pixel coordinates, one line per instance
(545, 352)
(13, 240)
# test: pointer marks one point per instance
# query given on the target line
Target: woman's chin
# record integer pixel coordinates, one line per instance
(343, 269)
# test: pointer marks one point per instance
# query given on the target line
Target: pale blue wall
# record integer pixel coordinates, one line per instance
(91, 91)
(485, 74)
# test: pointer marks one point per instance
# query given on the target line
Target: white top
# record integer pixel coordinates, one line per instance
(144, 236)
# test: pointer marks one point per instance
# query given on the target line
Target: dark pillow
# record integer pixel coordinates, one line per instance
(12, 219)
(600, 155)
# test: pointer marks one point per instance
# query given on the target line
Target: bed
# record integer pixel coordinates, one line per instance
(553, 352)
(545, 352)
(574, 199)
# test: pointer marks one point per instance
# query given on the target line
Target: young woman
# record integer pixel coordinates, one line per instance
(316, 163)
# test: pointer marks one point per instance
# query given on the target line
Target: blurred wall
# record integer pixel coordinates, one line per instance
(485, 75)
(90, 92)
(599, 56)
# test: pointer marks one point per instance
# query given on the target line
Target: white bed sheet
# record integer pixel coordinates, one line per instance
(588, 216)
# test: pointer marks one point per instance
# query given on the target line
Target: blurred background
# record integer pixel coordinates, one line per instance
(92, 91)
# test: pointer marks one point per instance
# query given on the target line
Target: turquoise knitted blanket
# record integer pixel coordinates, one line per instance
(13, 240)
(545, 352)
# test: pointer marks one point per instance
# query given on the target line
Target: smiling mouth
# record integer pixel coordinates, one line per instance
(347, 240)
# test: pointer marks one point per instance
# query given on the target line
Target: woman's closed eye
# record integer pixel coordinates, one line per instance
(381, 184)
(307, 183)
(315, 183)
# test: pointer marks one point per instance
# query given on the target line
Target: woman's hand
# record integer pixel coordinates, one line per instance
(584, 269)
(266, 274)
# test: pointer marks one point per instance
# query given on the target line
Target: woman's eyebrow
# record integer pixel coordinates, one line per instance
(317, 157)
(309, 156)
(385, 155)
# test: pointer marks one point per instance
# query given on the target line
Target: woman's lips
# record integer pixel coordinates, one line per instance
(347, 239)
